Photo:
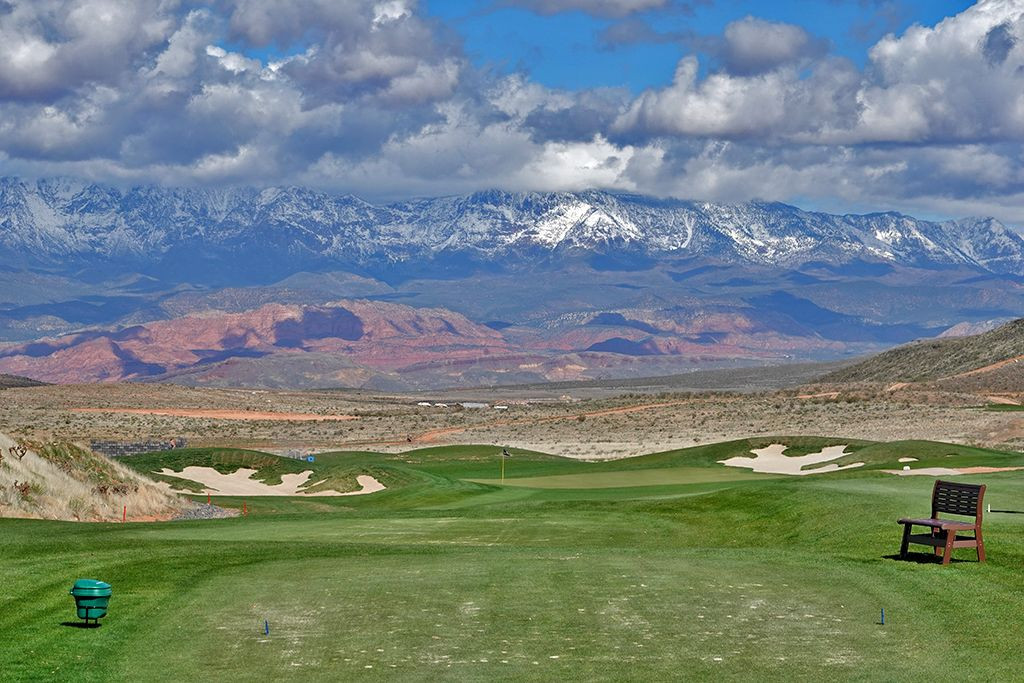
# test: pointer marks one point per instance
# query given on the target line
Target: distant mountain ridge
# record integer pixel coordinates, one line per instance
(355, 334)
(380, 345)
(242, 286)
(76, 224)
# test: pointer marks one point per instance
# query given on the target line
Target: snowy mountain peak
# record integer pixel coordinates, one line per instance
(73, 223)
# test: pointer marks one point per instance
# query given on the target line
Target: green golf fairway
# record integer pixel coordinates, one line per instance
(629, 478)
(663, 567)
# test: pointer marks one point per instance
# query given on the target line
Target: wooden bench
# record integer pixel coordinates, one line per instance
(955, 499)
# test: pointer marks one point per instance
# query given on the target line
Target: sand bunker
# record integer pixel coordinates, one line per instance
(907, 460)
(238, 483)
(926, 471)
(248, 415)
(950, 472)
(770, 460)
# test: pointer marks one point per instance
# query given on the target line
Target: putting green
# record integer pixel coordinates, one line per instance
(666, 476)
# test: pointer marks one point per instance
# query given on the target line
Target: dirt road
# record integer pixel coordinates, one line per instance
(245, 415)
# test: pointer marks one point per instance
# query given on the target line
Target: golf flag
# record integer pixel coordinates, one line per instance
(504, 454)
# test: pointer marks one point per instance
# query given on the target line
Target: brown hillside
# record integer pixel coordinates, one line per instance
(14, 382)
(375, 334)
(940, 359)
(389, 346)
(64, 481)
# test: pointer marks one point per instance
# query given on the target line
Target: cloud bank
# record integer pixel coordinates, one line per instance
(379, 99)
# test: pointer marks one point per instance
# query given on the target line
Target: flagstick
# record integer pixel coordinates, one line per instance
(503, 469)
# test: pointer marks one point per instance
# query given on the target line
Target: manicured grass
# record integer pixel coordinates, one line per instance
(628, 478)
(1003, 407)
(674, 567)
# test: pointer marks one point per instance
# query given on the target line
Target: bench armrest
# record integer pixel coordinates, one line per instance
(945, 524)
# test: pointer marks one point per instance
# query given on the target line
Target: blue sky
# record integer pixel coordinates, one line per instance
(838, 105)
(565, 50)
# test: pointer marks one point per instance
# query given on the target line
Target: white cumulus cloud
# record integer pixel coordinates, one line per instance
(378, 99)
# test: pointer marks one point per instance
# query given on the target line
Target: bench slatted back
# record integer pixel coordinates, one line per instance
(957, 499)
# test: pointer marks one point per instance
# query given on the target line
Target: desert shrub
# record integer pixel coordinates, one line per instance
(79, 507)
(112, 489)
(23, 488)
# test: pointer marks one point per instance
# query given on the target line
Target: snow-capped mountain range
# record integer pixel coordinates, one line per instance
(287, 286)
(62, 222)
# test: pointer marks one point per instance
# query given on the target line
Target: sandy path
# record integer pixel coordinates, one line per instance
(219, 414)
(239, 483)
(824, 394)
(950, 472)
(771, 460)
(986, 368)
(1003, 400)
(987, 470)
(926, 472)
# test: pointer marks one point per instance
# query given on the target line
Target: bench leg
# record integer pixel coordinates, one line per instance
(905, 542)
(948, 555)
(981, 545)
(938, 548)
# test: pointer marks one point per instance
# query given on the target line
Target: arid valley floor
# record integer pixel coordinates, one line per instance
(579, 422)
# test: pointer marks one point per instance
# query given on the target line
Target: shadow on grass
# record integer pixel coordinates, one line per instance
(80, 624)
(923, 558)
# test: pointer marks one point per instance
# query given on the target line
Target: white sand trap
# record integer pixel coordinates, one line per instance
(949, 472)
(238, 483)
(907, 460)
(926, 472)
(770, 460)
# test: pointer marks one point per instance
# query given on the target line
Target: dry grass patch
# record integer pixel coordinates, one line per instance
(64, 481)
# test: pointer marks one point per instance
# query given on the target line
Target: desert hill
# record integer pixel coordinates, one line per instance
(359, 334)
(66, 482)
(390, 346)
(16, 382)
(979, 361)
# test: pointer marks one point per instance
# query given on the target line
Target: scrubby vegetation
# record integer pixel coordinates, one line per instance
(60, 480)
(934, 359)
